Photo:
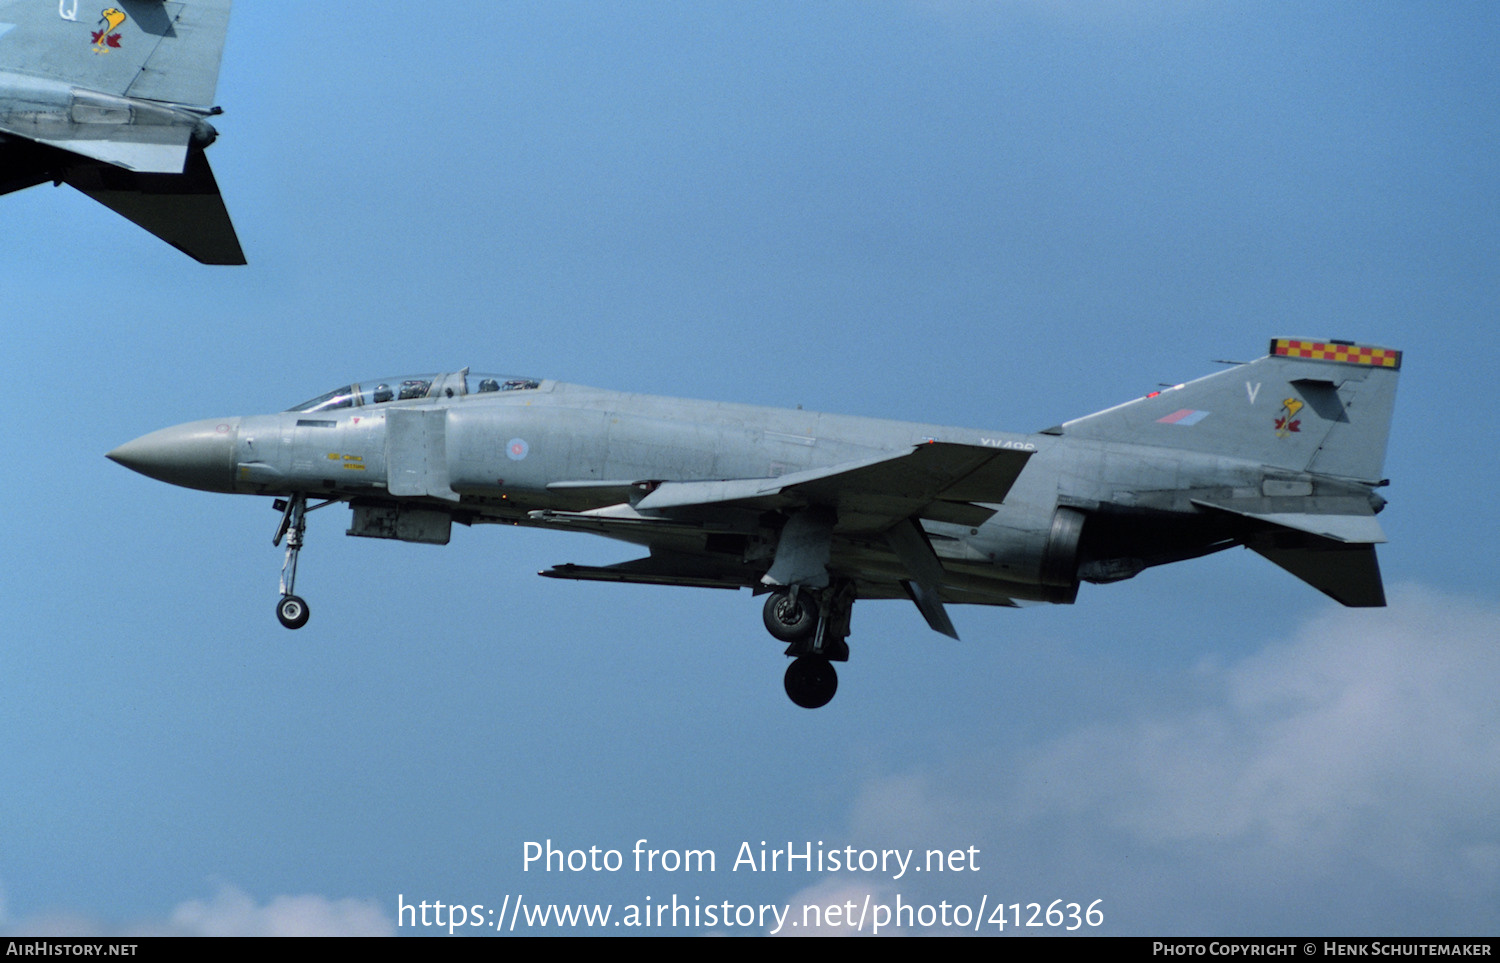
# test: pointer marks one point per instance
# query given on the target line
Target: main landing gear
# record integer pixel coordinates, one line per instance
(292, 610)
(811, 682)
(814, 623)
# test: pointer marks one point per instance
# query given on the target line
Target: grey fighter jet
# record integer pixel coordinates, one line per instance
(1281, 455)
(115, 102)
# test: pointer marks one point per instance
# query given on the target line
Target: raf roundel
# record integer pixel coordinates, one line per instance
(516, 449)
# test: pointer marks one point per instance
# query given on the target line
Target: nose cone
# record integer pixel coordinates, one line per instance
(199, 454)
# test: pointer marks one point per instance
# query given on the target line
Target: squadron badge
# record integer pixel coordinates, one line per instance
(105, 39)
(1289, 422)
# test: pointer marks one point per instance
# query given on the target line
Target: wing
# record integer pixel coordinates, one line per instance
(942, 481)
(937, 480)
(715, 532)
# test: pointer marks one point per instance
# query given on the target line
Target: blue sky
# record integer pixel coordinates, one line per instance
(998, 215)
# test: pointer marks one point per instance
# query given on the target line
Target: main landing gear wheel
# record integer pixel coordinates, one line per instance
(811, 681)
(790, 620)
(292, 612)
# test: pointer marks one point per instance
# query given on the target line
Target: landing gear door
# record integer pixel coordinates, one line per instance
(416, 455)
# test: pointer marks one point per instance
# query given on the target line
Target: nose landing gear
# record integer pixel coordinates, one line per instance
(292, 611)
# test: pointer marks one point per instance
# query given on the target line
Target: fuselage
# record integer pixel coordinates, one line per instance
(539, 447)
(1282, 455)
(136, 134)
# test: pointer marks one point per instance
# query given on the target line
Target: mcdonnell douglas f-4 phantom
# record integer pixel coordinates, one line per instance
(1281, 455)
(118, 107)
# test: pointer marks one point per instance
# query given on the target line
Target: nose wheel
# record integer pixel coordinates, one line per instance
(292, 612)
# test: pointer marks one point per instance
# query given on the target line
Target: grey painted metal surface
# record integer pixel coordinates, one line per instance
(1282, 455)
(117, 106)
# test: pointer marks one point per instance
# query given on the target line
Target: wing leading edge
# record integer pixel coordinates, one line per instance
(938, 480)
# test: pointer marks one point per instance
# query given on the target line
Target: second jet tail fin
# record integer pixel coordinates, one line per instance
(119, 109)
(166, 52)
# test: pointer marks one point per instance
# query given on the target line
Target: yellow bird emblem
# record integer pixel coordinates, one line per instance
(111, 19)
(1289, 422)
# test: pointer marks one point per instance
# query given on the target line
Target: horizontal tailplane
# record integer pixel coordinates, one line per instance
(1348, 574)
(185, 210)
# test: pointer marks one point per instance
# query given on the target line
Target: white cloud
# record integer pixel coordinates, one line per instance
(1375, 721)
(831, 907)
(230, 912)
(1350, 771)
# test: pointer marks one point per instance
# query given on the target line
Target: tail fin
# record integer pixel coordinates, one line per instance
(117, 108)
(1308, 406)
(1317, 407)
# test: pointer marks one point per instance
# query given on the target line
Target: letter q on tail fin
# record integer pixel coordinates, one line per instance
(118, 108)
(1311, 419)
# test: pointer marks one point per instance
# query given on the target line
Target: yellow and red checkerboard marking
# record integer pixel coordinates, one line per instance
(1331, 351)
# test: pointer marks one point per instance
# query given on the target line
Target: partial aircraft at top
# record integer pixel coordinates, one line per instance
(1281, 455)
(115, 102)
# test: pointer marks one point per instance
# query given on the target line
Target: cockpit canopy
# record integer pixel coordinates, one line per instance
(412, 387)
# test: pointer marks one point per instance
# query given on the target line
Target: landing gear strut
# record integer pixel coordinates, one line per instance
(814, 623)
(292, 611)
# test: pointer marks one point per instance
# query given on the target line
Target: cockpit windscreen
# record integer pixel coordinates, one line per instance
(414, 387)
